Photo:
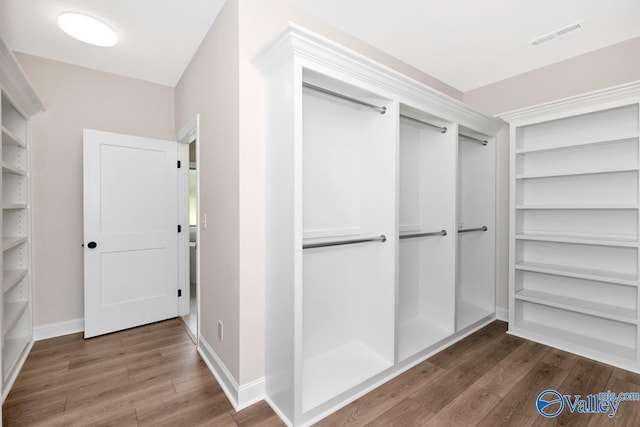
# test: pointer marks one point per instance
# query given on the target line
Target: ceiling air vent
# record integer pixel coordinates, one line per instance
(555, 34)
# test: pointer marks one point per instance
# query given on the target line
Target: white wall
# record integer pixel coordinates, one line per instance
(76, 98)
(610, 66)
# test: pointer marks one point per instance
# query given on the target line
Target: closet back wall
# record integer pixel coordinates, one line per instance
(76, 98)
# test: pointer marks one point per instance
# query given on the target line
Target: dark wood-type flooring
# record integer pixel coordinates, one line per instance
(152, 376)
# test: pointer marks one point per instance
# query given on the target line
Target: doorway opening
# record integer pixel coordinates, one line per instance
(189, 213)
(191, 320)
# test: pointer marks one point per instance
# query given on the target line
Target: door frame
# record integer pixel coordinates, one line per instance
(186, 135)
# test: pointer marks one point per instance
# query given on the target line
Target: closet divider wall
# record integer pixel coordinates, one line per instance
(364, 199)
(18, 103)
(574, 224)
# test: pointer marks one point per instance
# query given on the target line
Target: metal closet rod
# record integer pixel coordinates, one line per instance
(380, 109)
(433, 233)
(469, 230)
(481, 141)
(441, 128)
(381, 238)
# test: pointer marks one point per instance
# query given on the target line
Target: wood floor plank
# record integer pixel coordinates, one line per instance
(257, 415)
(439, 393)
(626, 376)
(385, 397)
(186, 408)
(452, 355)
(506, 374)
(471, 406)
(586, 377)
(122, 418)
(561, 359)
(407, 413)
(627, 413)
(518, 409)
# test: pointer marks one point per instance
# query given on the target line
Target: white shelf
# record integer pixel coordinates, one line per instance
(576, 173)
(579, 273)
(12, 242)
(584, 239)
(615, 139)
(416, 335)
(329, 374)
(7, 168)
(580, 206)
(9, 138)
(12, 313)
(607, 311)
(565, 337)
(12, 349)
(11, 277)
(8, 206)
(468, 313)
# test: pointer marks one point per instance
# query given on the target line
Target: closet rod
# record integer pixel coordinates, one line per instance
(434, 233)
(381, 238)
(379, 109)
(441, 128)
(481, 141)
(468, 230)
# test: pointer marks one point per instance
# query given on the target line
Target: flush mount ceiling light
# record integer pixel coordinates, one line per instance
(87, 29)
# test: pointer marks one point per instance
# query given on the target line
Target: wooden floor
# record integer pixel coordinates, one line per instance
(153, 376)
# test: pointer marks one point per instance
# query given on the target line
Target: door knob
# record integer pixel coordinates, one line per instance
(92, 245)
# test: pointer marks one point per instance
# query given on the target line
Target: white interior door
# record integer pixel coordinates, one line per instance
(130, 231)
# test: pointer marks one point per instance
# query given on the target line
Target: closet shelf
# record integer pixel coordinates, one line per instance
(579, 206)
(577, 173)
(618, 138)
(7, 168)
(467, 313)
(8, 138)
(12, 242)
(582, 239)
(417, 334)
(12, 277)
(606, 311)
(579, 273)
(12, 313)
(336, 371)
(560, 337)
(8, 206)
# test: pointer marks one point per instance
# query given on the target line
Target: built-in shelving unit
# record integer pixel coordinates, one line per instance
(18, 103)
(16, 289)
(379, 224)
(574, 225)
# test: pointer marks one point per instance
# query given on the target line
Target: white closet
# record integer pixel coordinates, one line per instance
(574, 224)
(367, 184)
(18, 103)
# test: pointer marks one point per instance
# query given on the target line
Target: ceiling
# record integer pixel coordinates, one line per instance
(465, 43)
(157, 38)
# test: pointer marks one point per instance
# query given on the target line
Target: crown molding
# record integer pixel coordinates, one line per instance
(13, 77)
(298, 42)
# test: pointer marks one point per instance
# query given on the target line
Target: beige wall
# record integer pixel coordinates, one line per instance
(610, 66)
(209, 86)
(76, 98)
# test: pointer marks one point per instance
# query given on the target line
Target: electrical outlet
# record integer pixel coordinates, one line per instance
(220, 330)
(203, 220)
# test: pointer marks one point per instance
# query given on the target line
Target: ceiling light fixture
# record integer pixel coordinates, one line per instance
(87, 29)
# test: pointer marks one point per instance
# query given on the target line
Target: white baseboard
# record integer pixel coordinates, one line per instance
(502, 314)
(240, 396)
(58, 329)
